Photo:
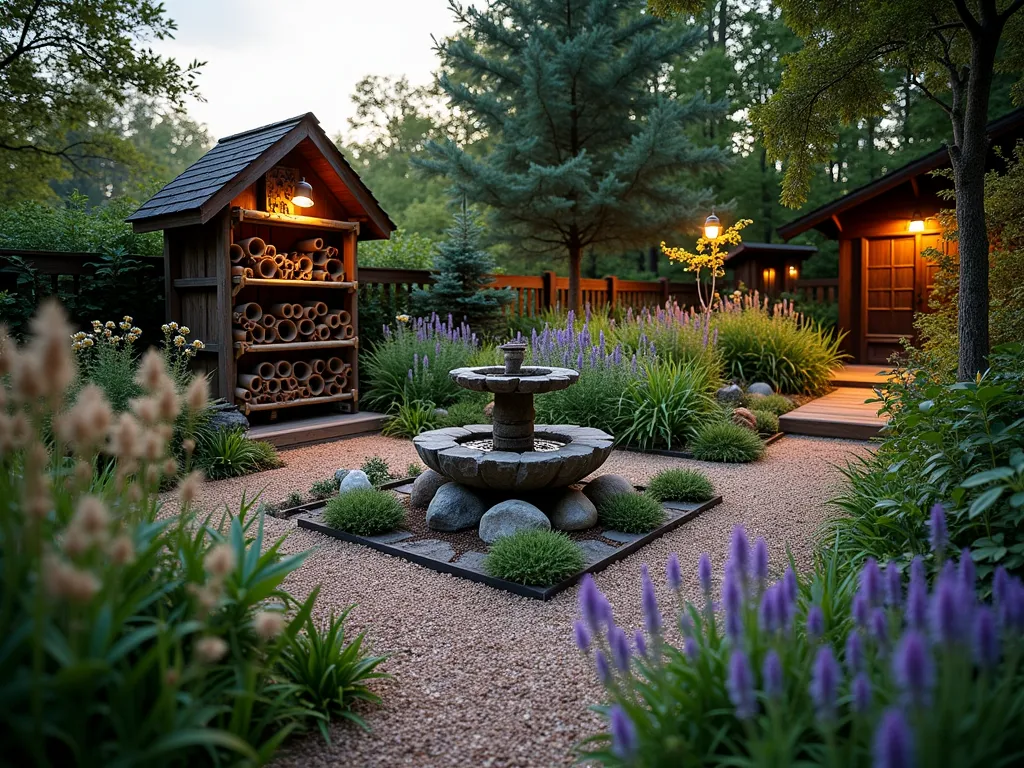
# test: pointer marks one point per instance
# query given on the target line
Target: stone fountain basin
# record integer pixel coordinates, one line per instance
(530, 379)
(584, 451)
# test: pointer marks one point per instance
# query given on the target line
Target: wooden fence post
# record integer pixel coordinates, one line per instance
(665, 294)
(550, 289)
(613, 291)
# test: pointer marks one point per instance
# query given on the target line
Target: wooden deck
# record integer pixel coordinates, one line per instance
(866, 376)
(317, 429)
(843, 412)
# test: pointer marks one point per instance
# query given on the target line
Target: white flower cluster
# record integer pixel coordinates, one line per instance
(105, 332)
(175, 335)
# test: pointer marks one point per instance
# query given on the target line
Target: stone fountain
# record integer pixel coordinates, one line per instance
(514, 454)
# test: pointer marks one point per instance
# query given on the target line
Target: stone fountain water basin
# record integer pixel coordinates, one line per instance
(565, 454)
(529, 380)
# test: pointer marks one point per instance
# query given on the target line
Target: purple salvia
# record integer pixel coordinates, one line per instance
(861, 691)
(739, 552)
(740, 684)
(591, 604)
(761, 561)
(938, 533)
(632, 364)
(774, 680)
(912, 667)
(861, 610)
(947, 609)
(784, 608)
(618, 643)
(815, 622)
(580, 635)
(880, 628)
(1000, 585)
(767, 612)
(623, 733)
(917, 596)
(673, 573)
(704, 574)
(893, 743)
(604, 671)
(871, 582)
(893, 585)
(854, 653)
(792, 587)
(966, 571)
(640, 643)
(685, 624)
(426, 363)
(732, 598)
(986, 638)
(825, 679)
(649, 602)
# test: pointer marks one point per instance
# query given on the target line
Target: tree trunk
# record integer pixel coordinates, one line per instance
(723, 22)
(575, 262)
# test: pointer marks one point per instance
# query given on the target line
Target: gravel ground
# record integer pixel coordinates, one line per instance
(485, 678)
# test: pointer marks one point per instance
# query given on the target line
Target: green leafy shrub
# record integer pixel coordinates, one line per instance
(229, 453)
(414, 470)
(631, 513)
(767, 422)
(323, 489)
(801, 683)
(776, 403)
(680, 485)
(364, 512)
(410, 419)
(332, 674)
(960, 444)
(377, 470)
(592, 402)
(666, 401)
(725, 441)
(461, 414)
(293, 499)
(776, 346)
(535, 558)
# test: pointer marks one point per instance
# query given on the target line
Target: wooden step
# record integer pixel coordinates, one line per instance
(317, 429)
(842, 413)
(860, 376)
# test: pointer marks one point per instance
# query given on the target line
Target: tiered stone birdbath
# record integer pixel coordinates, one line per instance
(514, 454)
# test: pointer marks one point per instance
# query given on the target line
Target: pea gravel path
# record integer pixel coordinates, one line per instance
(485, 678)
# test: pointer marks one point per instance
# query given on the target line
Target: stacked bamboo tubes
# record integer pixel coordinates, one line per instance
(309, 259)
(287, 322)
(283, 382)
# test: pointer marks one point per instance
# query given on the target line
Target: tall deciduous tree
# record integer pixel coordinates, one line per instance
(949, 48)
(586, 148)
(65, 67)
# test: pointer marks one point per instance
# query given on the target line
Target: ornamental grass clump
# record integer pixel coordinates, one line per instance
(132, 634)
(631, 513)
(775, 403)
(536, 558)
(680, 485)
(364, 512)
(727, 442)
(880, 670)
(767, 423)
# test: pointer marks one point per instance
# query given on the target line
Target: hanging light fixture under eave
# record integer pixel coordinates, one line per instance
(916, 223)
(303, 196)
(712, 227)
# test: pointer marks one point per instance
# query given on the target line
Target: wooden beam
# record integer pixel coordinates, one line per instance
(196, 282)
(293, 220)
(835, 220)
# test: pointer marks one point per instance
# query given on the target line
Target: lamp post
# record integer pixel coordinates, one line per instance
(303, 196)
(712, 227)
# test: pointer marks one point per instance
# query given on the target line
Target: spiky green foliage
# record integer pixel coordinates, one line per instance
(410, 419)
(229, 453)
(725, 441)
(535, 558)
(631, 513)
(364, 512)
(680, 485)
(377, 470)
(587, 148)
(767, 422)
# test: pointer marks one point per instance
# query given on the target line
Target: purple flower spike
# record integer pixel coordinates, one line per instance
(893, 585)
(623, 732)
(619, 645)
(912, 667)
(937, 530)
(732, 598)
(966, 572)
(761, 560)
(739, 552)
(815, 622)
(946, 609)
(704, 574)
(854, 652)
(880, 628)
(790, 582)
(871, 582)
(649, 602)
(893, 745)
(740, 685)
(767, 612)
(604, 672)
(592, 604)
(640, 643)
(861, 693)
(773, 676)
(691, 648)
(673, 572)
(861, 610)
(986, 638)
(825, 678)
(917, 596)
(580, 635)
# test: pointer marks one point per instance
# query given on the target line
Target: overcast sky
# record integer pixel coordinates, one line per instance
(253, 47)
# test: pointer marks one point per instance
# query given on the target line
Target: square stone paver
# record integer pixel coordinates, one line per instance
(432, 548)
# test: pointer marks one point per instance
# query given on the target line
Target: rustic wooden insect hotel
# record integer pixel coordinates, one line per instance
(260, 251)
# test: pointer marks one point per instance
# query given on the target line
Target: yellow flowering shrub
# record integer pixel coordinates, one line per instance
(708, 255)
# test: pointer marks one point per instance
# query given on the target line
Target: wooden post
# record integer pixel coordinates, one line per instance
(225, 355)
(665, 293)
(349, 258)
(550, 289)
(613, 291)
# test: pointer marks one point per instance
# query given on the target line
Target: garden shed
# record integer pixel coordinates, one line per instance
(883, 228)
(260, 252)
(770, 268)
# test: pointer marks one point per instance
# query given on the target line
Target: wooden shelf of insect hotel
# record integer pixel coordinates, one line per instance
(260, 248)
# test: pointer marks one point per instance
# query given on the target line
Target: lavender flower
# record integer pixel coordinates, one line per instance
(732, 598)
(947, 608)
(790, 582)
(917, 596)
(861, 693)
(580, 635)
(815, 622)
(893, 585)
(761, 561)
(773, 676)
(912, 667)
(739, 552)
(861, 610)
(623, 732)
(938, 533)
(893, 745)
(704, 574)
(966, 572)
(986, 638)
(604, 672)
(768, 614)
(825, 677)
(618, 643)
(673, 573)
(593, 605)
(871, 582)
(649, 602)
(640, 643)
(880, 628)
(854, 652)
(740, 684)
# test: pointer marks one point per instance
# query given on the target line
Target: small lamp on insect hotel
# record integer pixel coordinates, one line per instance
(303, 196)
(712, 227)
(916, 223)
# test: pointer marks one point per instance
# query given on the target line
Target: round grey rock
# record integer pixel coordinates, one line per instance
(440, 412)
(226, 418)
(339, 475)
(425, 486)
(729, 394)
(454, 508)
(510, 516)
(354, 480)
(760, 388)
(602, 488)
(573, 511)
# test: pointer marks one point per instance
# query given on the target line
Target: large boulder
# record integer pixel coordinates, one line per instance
(760, 388)
(603, 487)
(510, 516)
(424, 487)
(744, 418)
(729, 394)
(454, 508)
(354, 480)
(573, 511)
(225, 417)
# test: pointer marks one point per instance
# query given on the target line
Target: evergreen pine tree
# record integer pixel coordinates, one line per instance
(464, 269)
(587, 148)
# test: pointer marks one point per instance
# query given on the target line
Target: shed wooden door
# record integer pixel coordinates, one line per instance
(891, 295)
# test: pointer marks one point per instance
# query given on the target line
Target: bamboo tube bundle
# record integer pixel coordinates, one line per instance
(237, 317)
(269, 321)
(332, 320)
(251, 382)
(264, 268)
(250, 311)
(319, 258)
(304, 392)
(303, 264)
(258, 333)
(283, 369)
(338, 317)
(332, 388)
(270, 335)
(318, 365)
(271, 386)
(248, 325)
(316, 384)
(306, 327)
(241, 335)
(238, 255)
(301, 370)
(335, 366)
(319, 308)
(341, 381)
(297, 312)
(286, 331)
(270, 251)
(344, 332)
(319, 275)
(253, 247)
(264, 370)
(293, 384)
(310, 245)
(335, 270)
(323, 333)
(243, 394)
(283, 309)
(280, 259)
